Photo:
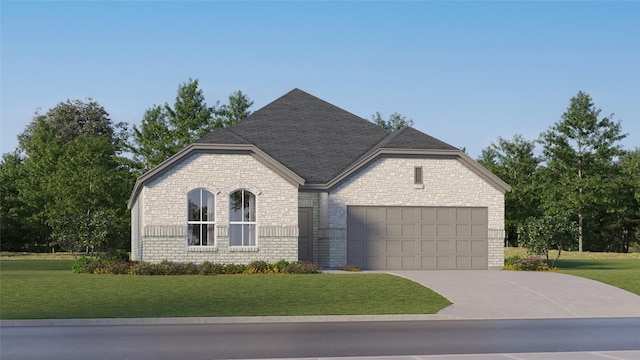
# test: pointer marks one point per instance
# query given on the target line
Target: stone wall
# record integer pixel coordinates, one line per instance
(389, 181)
(163, 210)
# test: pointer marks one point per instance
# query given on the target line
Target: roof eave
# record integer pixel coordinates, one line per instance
(260, 155)
(459, 155)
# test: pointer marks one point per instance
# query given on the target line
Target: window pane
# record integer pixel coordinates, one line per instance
(208, 210)
(235, 235)
(249, 206)
(210, 234)
(193, 235)
(249, 235)
(194, 205)
(235, 206)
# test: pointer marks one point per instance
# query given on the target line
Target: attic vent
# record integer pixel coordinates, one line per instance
(417, 175)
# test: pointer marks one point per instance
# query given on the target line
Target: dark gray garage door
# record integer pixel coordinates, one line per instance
(411, 238)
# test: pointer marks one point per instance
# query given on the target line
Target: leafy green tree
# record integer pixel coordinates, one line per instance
(579, 152)
(543, 233)
(74, 172)
(15, 233)
(394, 123)
(235, 110)
(165, 130)
(515, 163)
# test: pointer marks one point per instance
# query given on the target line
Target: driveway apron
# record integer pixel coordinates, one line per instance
(497, 294)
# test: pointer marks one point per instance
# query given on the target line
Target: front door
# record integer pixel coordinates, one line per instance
(305, 238)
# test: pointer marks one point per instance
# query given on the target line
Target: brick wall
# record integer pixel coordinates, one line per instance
(390, 182)
(163, 209)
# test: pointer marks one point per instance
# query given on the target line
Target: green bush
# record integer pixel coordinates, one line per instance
(209, 268)
(281, 265)
(351, 268)
(259, 267)
(234, 269)
(85, 264)
(300, 267)
(530, 263)
(511, 259)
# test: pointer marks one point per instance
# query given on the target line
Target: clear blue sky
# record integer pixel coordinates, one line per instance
(465, 72)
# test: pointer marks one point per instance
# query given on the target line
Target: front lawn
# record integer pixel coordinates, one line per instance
(616, 269)
(621, 273)
(47, 289)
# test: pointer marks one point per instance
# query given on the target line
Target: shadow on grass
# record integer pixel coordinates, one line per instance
(597, 264)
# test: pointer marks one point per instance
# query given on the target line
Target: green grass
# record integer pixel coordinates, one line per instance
(621, 273)
(47, 289)
(616, 269)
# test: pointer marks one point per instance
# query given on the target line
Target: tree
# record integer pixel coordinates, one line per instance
(541, 234)
(236, 110)
(15, 233)
(165, 130)
(514, 162)
(74, 173)
(579, 152)
(394, 123)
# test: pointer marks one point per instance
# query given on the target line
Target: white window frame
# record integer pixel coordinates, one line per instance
(211, 241)
(243, 222)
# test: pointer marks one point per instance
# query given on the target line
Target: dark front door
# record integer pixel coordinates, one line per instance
(305, 238)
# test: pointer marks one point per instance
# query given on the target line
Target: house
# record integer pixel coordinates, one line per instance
(301, 179)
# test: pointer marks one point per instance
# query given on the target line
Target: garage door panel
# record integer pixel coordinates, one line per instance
(463, 246)
(408, 262)
(409, 230)
(376, 247)
(428, 231)
(417, 237)
(409, 246)
(394, 262)
(428, 214)
(478, 262)
(443, 262)
(393, 246)
(443, 247)
(478, 231)
(428, 262)
(394, 230)
(428, 246)
(463, 262)
(479, 215)
(463, 230)
(478, 247)
(463, 215)
(442, 230)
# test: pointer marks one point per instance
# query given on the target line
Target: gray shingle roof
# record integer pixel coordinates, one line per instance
(315, 139)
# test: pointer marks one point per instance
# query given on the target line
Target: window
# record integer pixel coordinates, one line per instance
(242, 218)
(200, 218)
(417, 175)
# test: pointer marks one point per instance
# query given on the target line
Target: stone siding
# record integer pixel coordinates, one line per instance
(163, 203)
(389, 181)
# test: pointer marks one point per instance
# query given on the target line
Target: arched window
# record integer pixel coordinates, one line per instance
(200, 218)
(242, 218)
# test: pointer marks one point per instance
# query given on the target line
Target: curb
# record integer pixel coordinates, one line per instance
(221, 320)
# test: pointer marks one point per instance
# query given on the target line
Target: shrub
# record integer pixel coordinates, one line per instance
(530, 263)
(209, 268)
(144, 268)
(259, 267)
(85, 265)
(300, 267)
(512, 259)
(352, 268)
(234, 268)
(281, 265)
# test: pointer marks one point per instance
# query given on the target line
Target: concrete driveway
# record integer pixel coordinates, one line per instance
(497, 294)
